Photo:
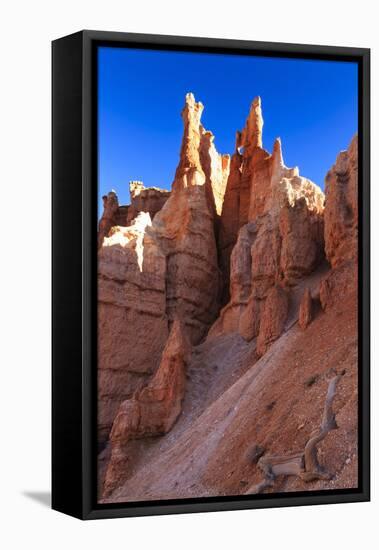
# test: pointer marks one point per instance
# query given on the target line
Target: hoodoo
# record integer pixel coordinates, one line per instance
(221, 305)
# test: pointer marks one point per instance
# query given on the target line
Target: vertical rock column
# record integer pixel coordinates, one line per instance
(132, 322)
(279, 222)
(341, 207)
(341, 227)
(186, 228)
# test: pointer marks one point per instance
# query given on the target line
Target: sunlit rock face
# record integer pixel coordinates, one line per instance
(186, 228)
(260, 185)
(306, 309)
(159, 265)
(278, 215)
(216, 169)
(273, 318)
(132, 320)
(109, 216)
(218, 298)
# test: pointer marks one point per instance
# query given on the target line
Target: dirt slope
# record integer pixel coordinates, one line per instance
(235, 402)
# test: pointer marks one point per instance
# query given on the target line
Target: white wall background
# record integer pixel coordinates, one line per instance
(25, 105)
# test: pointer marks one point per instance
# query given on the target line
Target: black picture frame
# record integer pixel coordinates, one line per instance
(74, 231)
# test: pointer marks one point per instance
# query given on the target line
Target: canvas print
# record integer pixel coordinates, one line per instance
(227, 275)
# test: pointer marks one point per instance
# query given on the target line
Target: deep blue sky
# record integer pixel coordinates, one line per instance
(311, 105)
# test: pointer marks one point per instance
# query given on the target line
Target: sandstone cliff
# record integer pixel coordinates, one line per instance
(341, 207)
(278, 234)
(151, 411)
(160, 264)
(132, 320)
(143, 199)
(226, 305)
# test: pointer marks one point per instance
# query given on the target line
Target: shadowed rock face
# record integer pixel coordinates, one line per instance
(273, 318)
(341, 227)
(260, 184)
(153, 410)
(109, 217)
(143, 199)
(278, 233)
(234, 255)
(186, 229)
(305, 311)
(341, 207)
(132, 320)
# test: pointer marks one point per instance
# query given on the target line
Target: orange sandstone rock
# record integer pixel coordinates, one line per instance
(273, 318)
(153, 410)
(250, 318)
(341, 226)
(341, 207)
(157, 405)
(109, 216)
(147, 199)
(152, 271)
(283, 210)
(186, 230)
(262, 189)
(269, 225)
(305, 310)
(143, 199)
(132, 321)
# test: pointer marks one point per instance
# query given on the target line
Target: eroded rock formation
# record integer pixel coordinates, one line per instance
(341, 226)
(305, 310)
(273, 318)
(153, 410)
(276, 239)
(109, 216)
(225, 263)
(341, 207)
(143, 199)
(151, 271)
(186, 229)
(132, 320)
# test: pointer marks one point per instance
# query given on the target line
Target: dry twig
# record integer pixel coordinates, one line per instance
(304, 464)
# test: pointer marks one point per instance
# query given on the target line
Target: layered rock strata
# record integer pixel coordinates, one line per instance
(341, 207)
(132, 320)
(186, 231)
(249, 234)
(151, 411)
(341, 227)
(109, 216)
(143, 199)
(306, 309)
(278, 234)
(151, 271)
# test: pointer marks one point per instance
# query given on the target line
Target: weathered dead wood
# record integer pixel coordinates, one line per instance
(304, 464)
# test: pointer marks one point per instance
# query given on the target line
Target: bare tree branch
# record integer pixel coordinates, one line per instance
(303, 464)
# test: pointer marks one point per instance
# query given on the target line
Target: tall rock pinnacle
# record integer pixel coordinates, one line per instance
(189, 171)
(277, 155)
(276, 240)
(251, 136)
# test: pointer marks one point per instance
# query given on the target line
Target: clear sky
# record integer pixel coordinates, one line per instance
(311, 105)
